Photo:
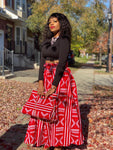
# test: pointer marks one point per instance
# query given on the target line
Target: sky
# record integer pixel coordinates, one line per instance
(107, 3)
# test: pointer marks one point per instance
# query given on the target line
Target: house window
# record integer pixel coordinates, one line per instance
(17, 36)
(18, 4)
(9, 3)
(9, 33)
(24, 5)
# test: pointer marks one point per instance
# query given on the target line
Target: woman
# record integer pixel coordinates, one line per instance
(55, 76)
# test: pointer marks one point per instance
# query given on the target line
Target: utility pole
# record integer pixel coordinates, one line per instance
(110, 41)
(111, 33)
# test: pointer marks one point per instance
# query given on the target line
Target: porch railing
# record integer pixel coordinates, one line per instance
(6, 61)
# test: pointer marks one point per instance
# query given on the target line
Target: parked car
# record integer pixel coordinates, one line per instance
(105, 59)
(71, 60)
(112, 61)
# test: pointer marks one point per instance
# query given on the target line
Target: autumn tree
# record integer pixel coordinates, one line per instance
(43, 8)
(93, 23)
(39, 16)
(87, 19)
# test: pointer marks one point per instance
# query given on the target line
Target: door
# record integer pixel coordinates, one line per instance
(30, 47)
(1, 45)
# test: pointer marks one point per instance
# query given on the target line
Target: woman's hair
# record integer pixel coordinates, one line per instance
(65, 27)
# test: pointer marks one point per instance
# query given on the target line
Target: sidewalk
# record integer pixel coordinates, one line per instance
(103, 79)
(28, 75)
(85, 79)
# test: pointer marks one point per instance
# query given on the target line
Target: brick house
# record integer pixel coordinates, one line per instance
(82, 52)
(13, 32)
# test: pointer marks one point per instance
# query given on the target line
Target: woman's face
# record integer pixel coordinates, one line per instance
(54, 26)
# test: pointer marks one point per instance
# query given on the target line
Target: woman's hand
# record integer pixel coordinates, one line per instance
(50, 91)
(40, 88)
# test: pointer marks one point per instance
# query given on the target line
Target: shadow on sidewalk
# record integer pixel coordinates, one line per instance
(13, 138)
(84, 110)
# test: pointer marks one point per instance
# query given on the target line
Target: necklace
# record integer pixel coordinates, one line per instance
(53, 40)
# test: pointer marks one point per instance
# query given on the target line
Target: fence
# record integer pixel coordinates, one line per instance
(6, 61)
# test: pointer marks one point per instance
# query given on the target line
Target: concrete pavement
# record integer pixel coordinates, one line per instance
(28, 75)
(104, 79)
(85, 78)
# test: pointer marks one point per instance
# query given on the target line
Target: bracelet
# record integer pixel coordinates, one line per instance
(53, 87)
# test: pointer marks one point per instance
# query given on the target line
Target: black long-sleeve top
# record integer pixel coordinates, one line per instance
(57, 51)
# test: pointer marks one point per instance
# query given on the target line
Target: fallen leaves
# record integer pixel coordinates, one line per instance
(100, 135)
(96, 114)
(13, 95)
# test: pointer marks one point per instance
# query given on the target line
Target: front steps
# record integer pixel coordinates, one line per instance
(7, 74)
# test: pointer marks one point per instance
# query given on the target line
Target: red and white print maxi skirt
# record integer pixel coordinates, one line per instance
(67, 130)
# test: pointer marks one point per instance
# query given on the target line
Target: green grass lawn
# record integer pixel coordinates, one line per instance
(81, 60)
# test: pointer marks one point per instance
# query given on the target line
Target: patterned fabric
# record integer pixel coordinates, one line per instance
(41, 107)
(67, 130)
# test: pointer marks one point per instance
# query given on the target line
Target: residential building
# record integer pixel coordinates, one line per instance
(14, 34)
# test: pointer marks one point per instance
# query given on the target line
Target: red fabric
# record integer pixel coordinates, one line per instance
(41, 107)
(67, 130)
